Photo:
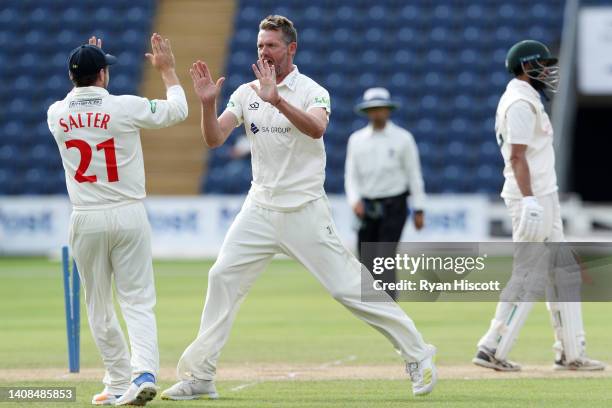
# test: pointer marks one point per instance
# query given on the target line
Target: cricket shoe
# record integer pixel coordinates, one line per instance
(423, 374)
(191, 390)
(141, 391)
(104, 398)
(486, 358)
(581, 364)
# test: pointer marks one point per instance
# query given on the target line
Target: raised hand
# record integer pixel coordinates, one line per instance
(266, 74)
(203, 84)
(161, 57)
(95, 41)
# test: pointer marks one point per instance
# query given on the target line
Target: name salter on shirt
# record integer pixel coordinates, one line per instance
(98, 136)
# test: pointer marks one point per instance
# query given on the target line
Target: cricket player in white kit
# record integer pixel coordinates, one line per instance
(285, 114)
(99, 141)
(525, 136)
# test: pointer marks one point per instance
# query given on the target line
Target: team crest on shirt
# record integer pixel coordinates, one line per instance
(322, 100)
(254, 128)
(254, 106)
(391, 153)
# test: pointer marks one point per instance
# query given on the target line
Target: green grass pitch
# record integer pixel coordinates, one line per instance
(288, 319)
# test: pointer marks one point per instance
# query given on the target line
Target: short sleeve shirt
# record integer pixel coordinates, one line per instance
(522, 119)
(98, 136)
(288, 166)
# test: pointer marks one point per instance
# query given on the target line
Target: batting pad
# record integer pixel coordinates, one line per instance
(512, 326)
(564, 304)
(566, 319)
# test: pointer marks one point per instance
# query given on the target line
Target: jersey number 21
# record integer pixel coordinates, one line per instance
(86, 153)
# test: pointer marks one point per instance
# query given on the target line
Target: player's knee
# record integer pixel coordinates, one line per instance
(219, 274)
(214, 273)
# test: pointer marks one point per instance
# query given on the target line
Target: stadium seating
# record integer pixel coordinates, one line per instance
(443, 59)
(35, 39)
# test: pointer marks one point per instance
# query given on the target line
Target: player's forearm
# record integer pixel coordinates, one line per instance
(211, 130)
(177, 104)
(169, 77)
(306, 123)
(520, 167)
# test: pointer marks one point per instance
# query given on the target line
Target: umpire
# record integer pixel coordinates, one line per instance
(382, 169)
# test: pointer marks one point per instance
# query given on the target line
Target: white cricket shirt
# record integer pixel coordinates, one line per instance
(99, 140)
(288, 166)
(383, 164)
(522, 119)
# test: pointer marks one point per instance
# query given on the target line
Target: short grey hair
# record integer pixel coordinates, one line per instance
(280, 23)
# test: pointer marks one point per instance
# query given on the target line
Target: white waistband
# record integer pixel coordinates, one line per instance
(105, 206)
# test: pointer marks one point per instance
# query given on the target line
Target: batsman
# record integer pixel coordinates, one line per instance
(525, 136)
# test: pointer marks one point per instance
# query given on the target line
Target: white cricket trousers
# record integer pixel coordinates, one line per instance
(308, 236)
(510, 316)
(116, 244)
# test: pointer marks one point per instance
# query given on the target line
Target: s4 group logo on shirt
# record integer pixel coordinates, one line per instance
(254, 106)
(254, 128)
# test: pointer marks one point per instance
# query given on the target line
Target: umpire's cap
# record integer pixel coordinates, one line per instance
(376, 98)
(88, 59)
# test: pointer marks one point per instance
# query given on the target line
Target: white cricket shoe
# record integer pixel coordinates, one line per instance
(581, 364)
(423, 374)
(191, 390)
(486, 358)
(141, 391)
(104, 398)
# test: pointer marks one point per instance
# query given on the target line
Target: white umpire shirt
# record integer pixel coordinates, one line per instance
(383, 164)
(288, 166)
(98, 136)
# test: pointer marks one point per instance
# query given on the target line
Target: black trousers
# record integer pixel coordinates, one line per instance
(383, 221)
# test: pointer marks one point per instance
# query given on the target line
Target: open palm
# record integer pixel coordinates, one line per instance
(266, 74)
(203, 84)
(161, 56)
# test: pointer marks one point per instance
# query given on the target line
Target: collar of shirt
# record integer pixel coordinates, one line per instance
(84, 90)
(384, 132)
(524, 87)
(290, 80)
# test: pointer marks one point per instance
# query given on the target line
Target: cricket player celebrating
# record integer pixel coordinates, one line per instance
(285, 114)
(525, 136)
(98, 138)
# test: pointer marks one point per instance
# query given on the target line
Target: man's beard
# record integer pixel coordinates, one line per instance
(279, 69)
(537, 84)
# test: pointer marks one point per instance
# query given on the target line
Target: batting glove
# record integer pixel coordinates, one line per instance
(530, 227)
